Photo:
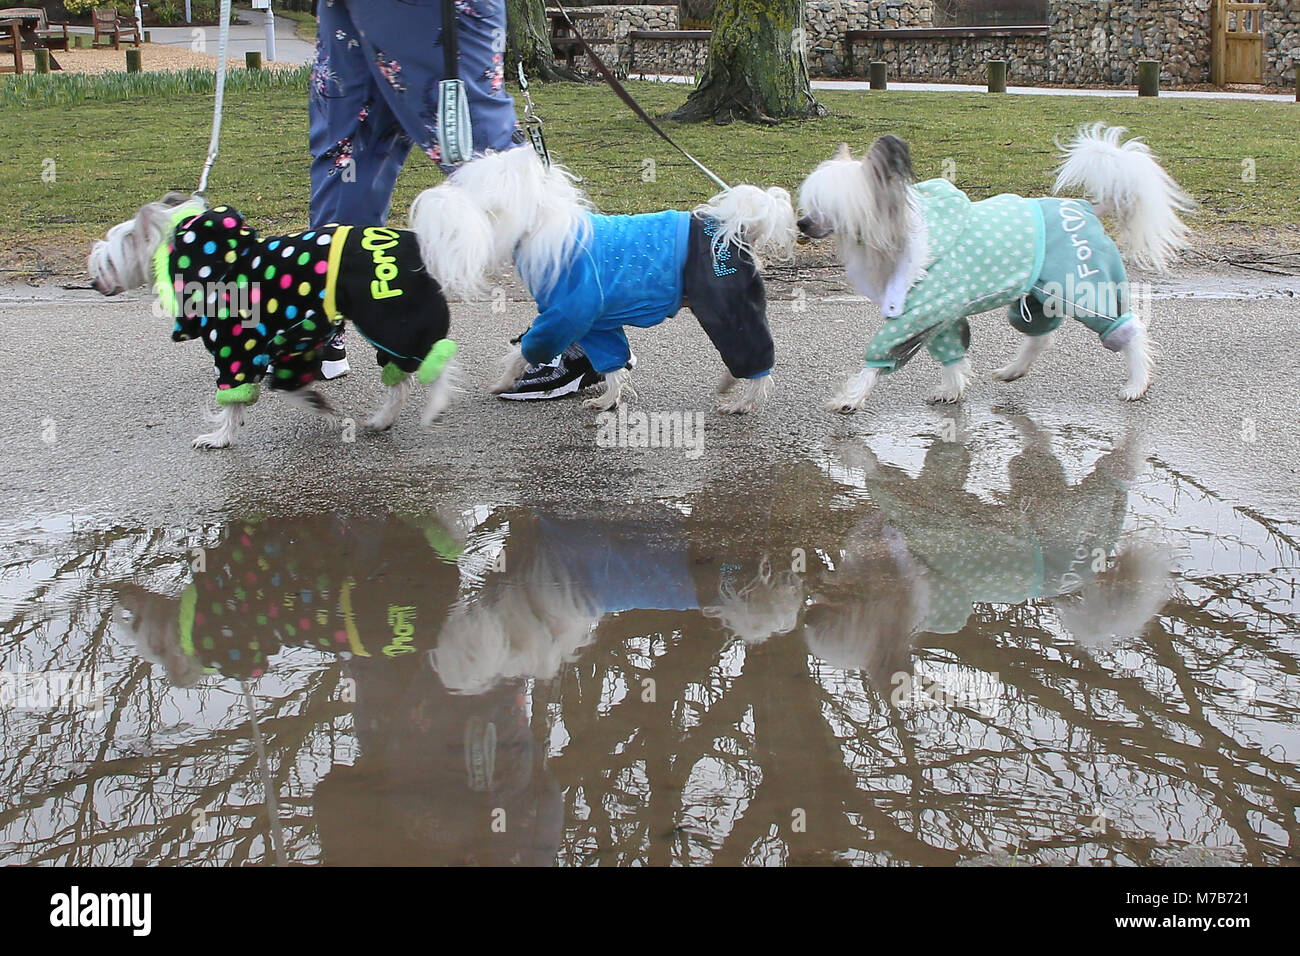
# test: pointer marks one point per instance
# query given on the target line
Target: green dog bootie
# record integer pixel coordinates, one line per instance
(442, 352)
(245, 394)
(392, 375)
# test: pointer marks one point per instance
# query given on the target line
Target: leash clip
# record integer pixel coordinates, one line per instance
(532, 122)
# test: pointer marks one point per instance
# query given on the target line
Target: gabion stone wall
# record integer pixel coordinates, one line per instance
(1087, 42)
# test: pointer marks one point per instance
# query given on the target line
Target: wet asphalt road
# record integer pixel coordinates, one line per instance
(102, 407)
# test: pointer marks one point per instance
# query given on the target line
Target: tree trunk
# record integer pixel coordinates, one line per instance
(528, 37)
(757, 68)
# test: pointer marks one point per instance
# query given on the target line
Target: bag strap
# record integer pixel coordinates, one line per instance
(450, 42)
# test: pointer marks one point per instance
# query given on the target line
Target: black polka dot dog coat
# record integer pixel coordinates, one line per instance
(264, 306)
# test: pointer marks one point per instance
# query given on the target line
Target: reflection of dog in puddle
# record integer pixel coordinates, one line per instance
(1047, 539)
(440, 776)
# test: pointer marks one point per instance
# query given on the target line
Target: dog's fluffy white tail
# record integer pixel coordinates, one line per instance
(1126, 179)
(760, 221)
(456, 241)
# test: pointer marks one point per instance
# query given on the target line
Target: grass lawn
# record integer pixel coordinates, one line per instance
(113, 149)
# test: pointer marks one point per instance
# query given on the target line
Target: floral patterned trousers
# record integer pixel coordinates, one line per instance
(374, 94)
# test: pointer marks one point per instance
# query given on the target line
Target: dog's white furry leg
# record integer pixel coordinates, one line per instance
(440, 393)
(749, 397)
(310, 400)
(1137, 354)
(512, 366)
(1030, 349)
(726, 383)
(227, 419)
(952, 383)
(395, 397)
(854, 391)
(615, 385)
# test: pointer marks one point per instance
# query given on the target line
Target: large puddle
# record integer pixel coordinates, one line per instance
(1035, 646)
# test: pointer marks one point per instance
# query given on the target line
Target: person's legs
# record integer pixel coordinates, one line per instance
(356, 142)
(406, 68)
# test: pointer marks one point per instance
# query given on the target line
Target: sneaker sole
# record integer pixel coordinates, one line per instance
(568, 388)
(333, 370)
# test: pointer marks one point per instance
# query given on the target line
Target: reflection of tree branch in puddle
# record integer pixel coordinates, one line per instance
(738, 736)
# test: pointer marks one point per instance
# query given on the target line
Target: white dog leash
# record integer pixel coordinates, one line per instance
(215, 141)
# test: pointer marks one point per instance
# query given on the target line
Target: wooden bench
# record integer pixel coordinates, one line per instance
(669, 34)
(937, 33)
(11, 42)
(117, 27)
(37, 30)
(564, 44)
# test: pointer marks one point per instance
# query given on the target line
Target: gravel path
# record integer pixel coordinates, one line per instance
(154, 57)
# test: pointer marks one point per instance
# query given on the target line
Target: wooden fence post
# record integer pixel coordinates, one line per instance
(133, 60)
(253, 60)
(42, 60)
(879, 76)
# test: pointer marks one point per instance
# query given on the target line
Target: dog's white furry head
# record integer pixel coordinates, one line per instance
(860, 201)
(527, 627)
(456, 238)
(124, 258)
(769, 604)
(1122, 600)
(868, 205)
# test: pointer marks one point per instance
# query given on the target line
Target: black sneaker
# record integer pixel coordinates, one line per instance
(334, 360)
(567, 373)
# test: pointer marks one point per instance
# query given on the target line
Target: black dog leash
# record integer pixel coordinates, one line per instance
(632, 104)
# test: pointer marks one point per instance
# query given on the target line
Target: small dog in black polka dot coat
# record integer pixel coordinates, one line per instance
(263, 306)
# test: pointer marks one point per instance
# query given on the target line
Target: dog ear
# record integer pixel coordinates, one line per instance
(890, 158)
(843, 152)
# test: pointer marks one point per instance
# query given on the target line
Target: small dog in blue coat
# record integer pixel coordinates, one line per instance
(593, 275)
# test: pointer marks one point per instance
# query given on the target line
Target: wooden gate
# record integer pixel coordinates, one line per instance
(1238, 55)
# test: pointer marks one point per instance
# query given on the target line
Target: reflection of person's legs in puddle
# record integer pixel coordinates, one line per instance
(1035, 473)
(441, 778)
(864, 614)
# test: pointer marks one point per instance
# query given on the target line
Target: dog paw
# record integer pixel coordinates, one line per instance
(211, 441)
(736, 406)
(602, 403)
(842, 405)
(945, 395)
(1133, 391)
(1009, 373)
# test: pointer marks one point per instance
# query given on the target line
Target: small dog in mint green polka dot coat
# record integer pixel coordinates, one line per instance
(930, 257)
